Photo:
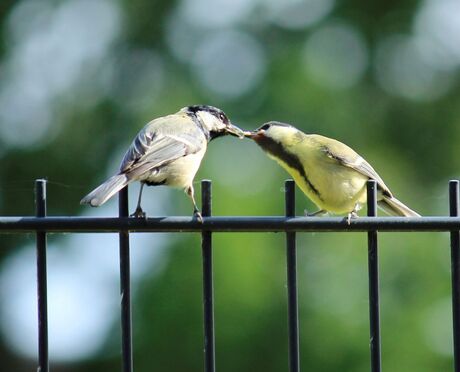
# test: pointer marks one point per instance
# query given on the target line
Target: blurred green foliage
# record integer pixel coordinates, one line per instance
(413, 144)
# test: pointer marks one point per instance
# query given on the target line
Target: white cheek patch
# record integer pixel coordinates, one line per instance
(281, 132)
(209, 120)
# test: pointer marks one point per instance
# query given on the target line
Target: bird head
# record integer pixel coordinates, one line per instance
(214, 121)
(273, 131)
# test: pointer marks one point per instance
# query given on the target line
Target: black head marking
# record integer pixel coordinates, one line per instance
(277, 150)
(270, 124)
(264, 127)
(218, 113)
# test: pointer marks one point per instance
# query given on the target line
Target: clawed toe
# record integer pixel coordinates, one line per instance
(351, 215)
(198, 216)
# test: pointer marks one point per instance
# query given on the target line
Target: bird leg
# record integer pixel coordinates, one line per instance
(314, 214)
(139, 213)
(196, 212)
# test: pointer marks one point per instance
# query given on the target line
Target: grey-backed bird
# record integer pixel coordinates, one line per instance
(329, 172)
(167, 151)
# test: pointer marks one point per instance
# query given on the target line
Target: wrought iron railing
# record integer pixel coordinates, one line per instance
(125, 225)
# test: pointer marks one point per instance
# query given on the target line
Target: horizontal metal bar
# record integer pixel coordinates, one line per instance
(226, 224)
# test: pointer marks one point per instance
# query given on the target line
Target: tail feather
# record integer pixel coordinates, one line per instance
(105, 191)
(394, 207)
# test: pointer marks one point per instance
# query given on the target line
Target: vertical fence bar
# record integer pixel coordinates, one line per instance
(373, 264)
(40, 211)
(291, 263)
(455, 265)
(208, 287)
(125, 286)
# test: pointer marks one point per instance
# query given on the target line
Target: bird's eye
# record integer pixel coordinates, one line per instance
(264, 127)
(223, 118)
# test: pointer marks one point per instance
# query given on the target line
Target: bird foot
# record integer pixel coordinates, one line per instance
(198, 216)
(351, 215)
(139, 213)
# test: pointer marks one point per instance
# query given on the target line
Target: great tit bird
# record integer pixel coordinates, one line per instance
(167, 151)
(329, 172)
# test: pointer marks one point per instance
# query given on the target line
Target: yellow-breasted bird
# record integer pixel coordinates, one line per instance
(167, 151)
(329, 172)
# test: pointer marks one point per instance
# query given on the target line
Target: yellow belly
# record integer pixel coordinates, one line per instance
(338, 189)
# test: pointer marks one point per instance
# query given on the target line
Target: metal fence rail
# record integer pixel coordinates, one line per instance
(373, 264)
(125, 286)
(124, 225)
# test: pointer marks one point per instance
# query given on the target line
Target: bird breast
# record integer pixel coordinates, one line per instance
(178, 173)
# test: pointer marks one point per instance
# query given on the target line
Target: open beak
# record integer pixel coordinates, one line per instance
(235, 131)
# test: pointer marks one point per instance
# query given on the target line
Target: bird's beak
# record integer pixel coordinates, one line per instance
(235, 131)
(253, 134)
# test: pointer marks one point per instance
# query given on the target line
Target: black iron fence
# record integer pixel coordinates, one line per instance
(124, 225)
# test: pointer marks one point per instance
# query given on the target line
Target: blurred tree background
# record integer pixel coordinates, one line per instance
(79, 78)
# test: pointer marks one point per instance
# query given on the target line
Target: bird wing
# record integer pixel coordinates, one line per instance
(346, 156)
(159, 143)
